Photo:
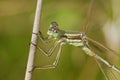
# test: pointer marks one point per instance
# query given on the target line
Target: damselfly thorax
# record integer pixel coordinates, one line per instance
(75, 38)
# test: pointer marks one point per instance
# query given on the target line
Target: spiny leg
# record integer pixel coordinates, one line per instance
(51, 50)
(54, 64)
(40, 36)
(45, 40)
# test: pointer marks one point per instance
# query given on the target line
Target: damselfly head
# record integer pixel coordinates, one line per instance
(53, 25)
(53, 29)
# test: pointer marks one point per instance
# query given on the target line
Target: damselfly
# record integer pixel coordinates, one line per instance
(78, 39)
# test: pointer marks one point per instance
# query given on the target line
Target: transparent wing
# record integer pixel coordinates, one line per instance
(109, 73)
(102, 46)
(89, 14)
(97, 15)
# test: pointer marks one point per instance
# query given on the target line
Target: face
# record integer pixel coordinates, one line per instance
(53, 29)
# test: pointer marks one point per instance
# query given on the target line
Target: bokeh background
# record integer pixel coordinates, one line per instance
(16, 21)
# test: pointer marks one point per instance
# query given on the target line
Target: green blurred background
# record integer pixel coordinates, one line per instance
(16, 21)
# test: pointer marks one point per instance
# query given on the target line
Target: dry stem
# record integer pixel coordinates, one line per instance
(32, 50)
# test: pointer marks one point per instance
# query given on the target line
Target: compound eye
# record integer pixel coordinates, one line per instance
(51, 29)
(54, 24)
(55, 31)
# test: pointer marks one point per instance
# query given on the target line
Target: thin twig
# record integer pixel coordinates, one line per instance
(32, 50)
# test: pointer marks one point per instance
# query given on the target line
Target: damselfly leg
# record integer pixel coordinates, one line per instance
(54, 64)
(78, 39)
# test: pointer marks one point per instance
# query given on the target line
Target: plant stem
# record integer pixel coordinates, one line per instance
(30, 64)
